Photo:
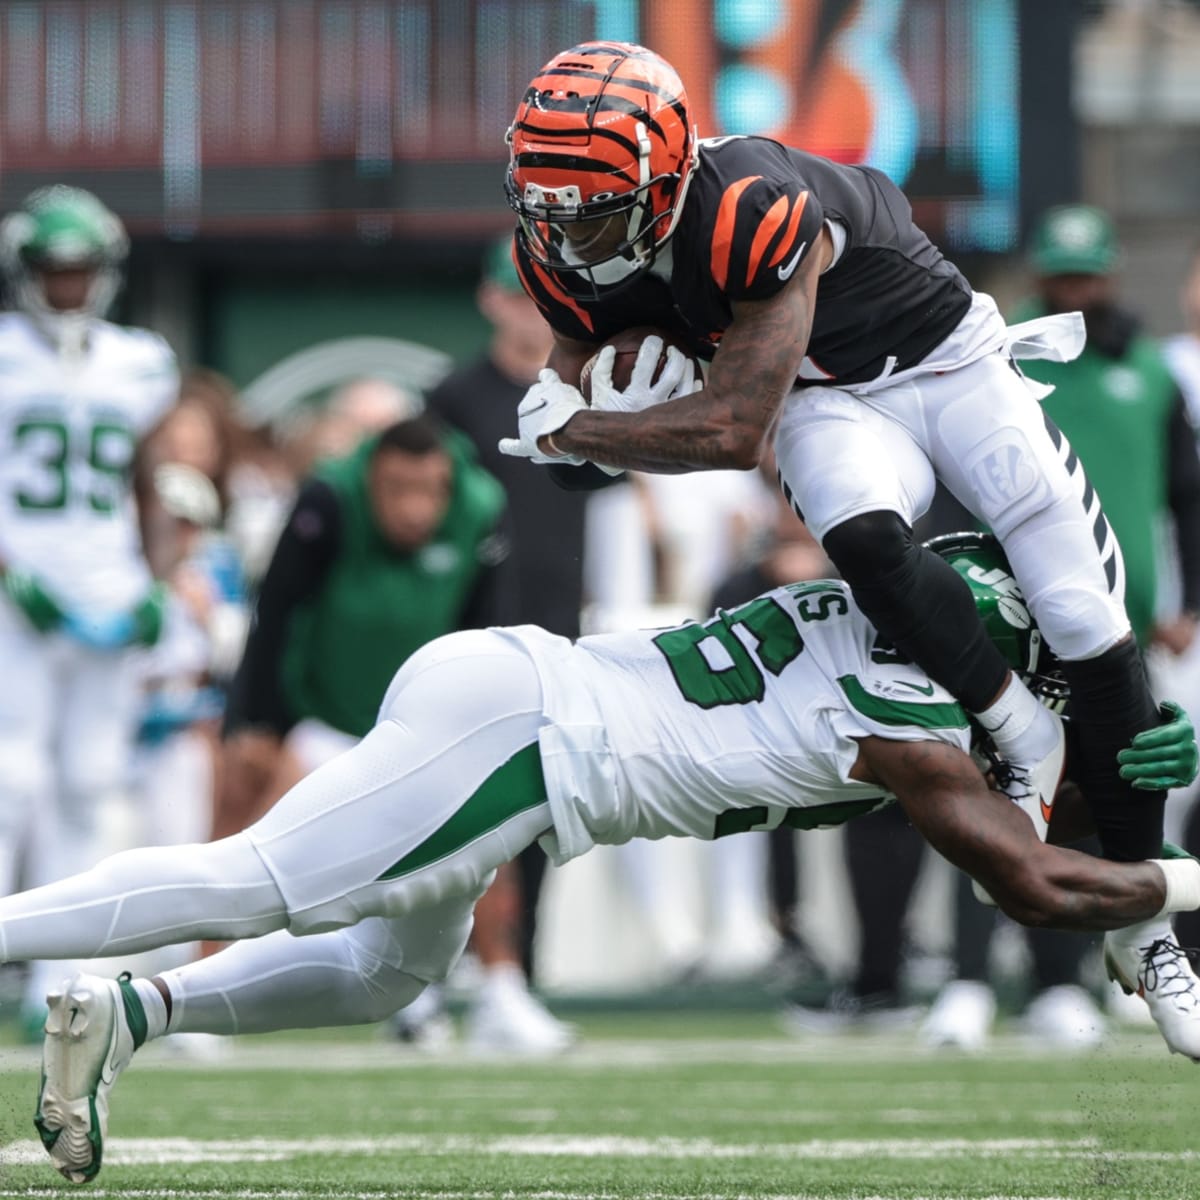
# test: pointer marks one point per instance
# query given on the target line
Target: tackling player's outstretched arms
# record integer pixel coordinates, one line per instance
(985, 834)
(724, 425)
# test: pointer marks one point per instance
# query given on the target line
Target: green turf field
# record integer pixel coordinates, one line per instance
(648, 1106)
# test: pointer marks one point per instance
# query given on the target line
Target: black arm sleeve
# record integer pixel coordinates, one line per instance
(494, 599)
(306, 549)
(1183, 496)
(585, 478)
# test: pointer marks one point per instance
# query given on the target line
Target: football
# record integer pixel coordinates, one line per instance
(627, 343)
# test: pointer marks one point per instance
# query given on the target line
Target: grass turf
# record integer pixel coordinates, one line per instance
(648, 1106)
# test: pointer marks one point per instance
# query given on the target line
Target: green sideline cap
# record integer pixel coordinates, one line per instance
(498, 265)
(1073, 239)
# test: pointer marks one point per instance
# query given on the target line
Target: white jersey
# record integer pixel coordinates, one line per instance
(745, 721)
(68, 430)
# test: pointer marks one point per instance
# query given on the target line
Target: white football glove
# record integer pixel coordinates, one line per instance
(546, 407)
(643, 391)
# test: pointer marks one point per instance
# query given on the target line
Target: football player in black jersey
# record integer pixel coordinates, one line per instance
(834, 327)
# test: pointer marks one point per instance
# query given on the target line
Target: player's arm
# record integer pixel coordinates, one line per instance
(986, 835)
(727, 422)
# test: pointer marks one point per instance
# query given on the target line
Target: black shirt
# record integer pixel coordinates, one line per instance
(546, 522)
(753, 211)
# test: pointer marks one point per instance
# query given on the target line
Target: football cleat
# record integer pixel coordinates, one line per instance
(92, 1029)
(1147, 960)
(961, 1016)
(1032, 786)
(507, 1019)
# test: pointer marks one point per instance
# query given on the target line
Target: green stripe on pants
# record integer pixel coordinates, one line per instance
(512, 788)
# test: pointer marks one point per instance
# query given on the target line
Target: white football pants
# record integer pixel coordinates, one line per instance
(398, 838)
(980, 430)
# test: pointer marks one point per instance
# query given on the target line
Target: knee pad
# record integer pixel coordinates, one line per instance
(1080, 622)
(869, 546)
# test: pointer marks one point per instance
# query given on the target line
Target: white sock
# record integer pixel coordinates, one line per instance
(1021, 728)
(153, 1005)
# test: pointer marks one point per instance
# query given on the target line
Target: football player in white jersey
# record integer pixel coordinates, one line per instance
(76, 395)
(355, 891)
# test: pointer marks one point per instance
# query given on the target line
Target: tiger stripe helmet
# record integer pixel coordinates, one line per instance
(601, 154)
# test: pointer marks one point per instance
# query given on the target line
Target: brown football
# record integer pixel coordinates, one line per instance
(628, 342)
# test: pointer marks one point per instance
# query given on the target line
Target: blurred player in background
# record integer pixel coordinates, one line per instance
(838, 330)
(77, 394)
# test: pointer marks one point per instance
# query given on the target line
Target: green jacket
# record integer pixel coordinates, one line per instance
(376, 606)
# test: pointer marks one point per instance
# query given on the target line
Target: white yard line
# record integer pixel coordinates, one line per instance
(174, 1151)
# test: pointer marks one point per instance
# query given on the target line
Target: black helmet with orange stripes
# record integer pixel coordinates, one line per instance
(601, 154)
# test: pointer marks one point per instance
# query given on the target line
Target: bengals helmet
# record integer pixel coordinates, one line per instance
(980, 560)
(601, 155)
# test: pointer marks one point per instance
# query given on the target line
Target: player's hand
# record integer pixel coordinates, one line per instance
(545, 408)
(100, 630)
(40, 608)
(678, 378)
(1164, 757)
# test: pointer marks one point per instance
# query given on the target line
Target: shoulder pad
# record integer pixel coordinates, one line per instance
(761, 218)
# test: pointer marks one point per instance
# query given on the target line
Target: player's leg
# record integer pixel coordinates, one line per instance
(410, 824)
(26, 724)
(345, 977)
(97, 704)
(995, 449)
(447, 786)
(859, 479)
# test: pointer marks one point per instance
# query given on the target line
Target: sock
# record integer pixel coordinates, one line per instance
(1021, 728)
(153, 1006)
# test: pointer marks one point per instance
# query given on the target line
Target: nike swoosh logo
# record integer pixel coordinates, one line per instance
(1047, 809)
(785, 272)
(927, 690)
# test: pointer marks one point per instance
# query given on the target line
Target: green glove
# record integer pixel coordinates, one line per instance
(148, 616)
(32, 599)
(1165, 757)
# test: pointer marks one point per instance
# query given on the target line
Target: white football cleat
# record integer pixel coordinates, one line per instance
(506, 1018)
(93, 1027)
(1032, 787)
(1065, 1016)
(1147, 960)
(961, 1016)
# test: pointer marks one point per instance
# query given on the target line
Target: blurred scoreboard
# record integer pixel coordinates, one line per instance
(371, 119)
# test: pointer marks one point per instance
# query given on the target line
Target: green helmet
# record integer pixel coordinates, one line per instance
(62, 227)
(980, 560)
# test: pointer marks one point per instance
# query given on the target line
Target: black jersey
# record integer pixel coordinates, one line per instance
(753, 211)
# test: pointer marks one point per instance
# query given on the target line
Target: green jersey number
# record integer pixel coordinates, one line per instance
(48, 442)
(713, 666)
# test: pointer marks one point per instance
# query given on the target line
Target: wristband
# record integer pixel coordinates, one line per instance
(1182, 876)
